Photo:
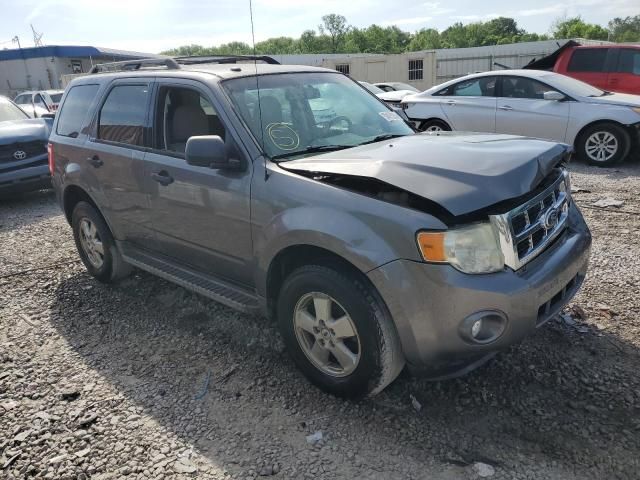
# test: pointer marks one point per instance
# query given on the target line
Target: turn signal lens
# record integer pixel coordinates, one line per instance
(432, 246)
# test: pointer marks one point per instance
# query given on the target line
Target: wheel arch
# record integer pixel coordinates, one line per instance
(602, 121)
(436, 119)
(72, 195)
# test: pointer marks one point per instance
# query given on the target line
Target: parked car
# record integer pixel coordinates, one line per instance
(390, 97)
(38, 103)
(373, 246)
(23, 150)
(602, 126)
(610, 67)
(396, 86)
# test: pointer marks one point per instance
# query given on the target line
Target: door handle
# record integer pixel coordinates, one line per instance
(451, 102)
(162, 177)
(95, 161)
(506, 107)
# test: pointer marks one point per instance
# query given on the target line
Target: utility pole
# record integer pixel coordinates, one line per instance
(37, 37)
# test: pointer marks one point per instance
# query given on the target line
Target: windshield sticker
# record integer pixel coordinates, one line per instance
(390, 116)
(283, 136)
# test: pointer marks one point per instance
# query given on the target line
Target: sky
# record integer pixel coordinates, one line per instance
(156, 25)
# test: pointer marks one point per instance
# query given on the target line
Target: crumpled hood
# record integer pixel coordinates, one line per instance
(621, 99)
(394, 96)
(463, 172)
(24, 130)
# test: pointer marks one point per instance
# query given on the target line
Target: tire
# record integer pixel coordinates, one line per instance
(434, 125)
(85, 218)
(375, 347)
(603, 144)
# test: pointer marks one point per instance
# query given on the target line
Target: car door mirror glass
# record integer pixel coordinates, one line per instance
(554, 96)
(208, 151)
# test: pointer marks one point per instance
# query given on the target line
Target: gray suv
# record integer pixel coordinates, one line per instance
(293, 192)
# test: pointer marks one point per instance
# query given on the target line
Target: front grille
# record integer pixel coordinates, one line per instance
(526, 230)
(30, 149)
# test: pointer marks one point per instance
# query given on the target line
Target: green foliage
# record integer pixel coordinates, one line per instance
(335, 35)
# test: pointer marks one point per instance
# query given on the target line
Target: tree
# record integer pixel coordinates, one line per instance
(425, 39)
(336, 26)
(625, 29)
(577, 28)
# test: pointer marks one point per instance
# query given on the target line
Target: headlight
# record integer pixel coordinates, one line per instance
(470, 249)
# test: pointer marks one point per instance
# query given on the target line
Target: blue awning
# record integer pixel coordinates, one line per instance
(67, 51)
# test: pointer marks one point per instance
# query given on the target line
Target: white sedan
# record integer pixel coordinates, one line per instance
(392, 97)
(602, 126)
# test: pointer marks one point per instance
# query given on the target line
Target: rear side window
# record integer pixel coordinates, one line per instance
(588, 60)
(475, 87)
(122, 117)
(74, 110)
(629, 61)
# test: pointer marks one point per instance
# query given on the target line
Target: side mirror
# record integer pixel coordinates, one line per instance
(209, 151)
(554, 96)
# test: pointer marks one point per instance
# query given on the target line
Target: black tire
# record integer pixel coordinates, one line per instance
(381, 358)
(434, 125)
(604, 130)
(113, 267)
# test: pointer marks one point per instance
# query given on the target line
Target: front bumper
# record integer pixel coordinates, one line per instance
(428, 302)
(33, 177)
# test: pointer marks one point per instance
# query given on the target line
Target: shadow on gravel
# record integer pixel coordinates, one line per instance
(630, 168)
(567, 400)
(16, 210)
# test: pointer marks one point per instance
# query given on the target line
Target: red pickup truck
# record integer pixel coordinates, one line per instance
(614, 67)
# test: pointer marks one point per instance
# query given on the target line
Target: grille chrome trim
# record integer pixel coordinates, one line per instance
(526, 231)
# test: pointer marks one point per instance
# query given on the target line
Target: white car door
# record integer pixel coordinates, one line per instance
(522, 110)
(470, 105)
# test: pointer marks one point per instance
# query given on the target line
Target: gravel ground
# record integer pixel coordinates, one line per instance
(147, 380)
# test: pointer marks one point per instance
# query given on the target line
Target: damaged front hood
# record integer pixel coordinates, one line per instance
(23, 131)
(462, 172)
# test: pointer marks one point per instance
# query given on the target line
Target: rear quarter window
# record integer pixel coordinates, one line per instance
(123, 115)
(588, 60)
(74, 110)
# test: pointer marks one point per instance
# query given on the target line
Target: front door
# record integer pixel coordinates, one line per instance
(201, 216)
(522, 110)
(115, 157)
(470, 105)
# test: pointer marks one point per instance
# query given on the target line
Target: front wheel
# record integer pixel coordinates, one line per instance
(338, 331)
(603, 144)
(434, 125)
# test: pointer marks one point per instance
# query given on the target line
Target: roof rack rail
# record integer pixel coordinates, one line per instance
(198, 59)
(168, 62)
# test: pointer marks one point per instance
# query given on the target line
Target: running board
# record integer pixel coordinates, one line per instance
(206, 285)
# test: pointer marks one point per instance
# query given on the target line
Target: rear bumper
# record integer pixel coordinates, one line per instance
(25, 179)
(429, 302)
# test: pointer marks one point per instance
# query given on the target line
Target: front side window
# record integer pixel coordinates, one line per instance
(40, 101)
(522, 87)
(182, 113)
(56, 97)
(122, 117)
(302, 113)
(71, 117)
(9, 112)
(415, 69)
(23, 99)
(588, 60)
(629, 61)
(475, 87)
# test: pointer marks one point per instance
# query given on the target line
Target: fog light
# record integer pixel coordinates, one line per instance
(476, 328)
(483, 327)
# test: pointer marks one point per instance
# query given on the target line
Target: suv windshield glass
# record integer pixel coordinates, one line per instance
(8, 111)
(303, 113)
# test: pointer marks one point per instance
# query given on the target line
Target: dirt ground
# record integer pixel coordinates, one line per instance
(147, 380)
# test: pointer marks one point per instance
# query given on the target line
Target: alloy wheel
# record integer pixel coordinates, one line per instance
(326, 334)
(601, 146)
(91, 243)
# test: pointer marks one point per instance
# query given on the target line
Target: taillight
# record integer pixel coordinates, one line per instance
(52, 158)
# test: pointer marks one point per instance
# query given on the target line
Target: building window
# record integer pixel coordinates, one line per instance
(76, 66)
(415, 69)
(343, 68)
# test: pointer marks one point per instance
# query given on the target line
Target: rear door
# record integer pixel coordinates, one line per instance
(201, 216)
(590, 66)
(625, 74)
(522, 109)
(116, 149)
(470, 105)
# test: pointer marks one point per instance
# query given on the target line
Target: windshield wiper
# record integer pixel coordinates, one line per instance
(380, 138)
(316, 149)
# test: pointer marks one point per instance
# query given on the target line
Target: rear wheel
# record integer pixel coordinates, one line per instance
(338, 331)
(96, 245)
(434, 125)
(603, 144)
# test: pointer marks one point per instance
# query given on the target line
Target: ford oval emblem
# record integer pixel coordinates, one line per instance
(19, 154)
(550, 218)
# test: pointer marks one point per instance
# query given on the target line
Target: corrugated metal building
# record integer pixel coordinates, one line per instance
(42, 68)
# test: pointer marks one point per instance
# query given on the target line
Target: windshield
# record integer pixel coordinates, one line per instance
(571, 86)
(304, 113)
(8, 111)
